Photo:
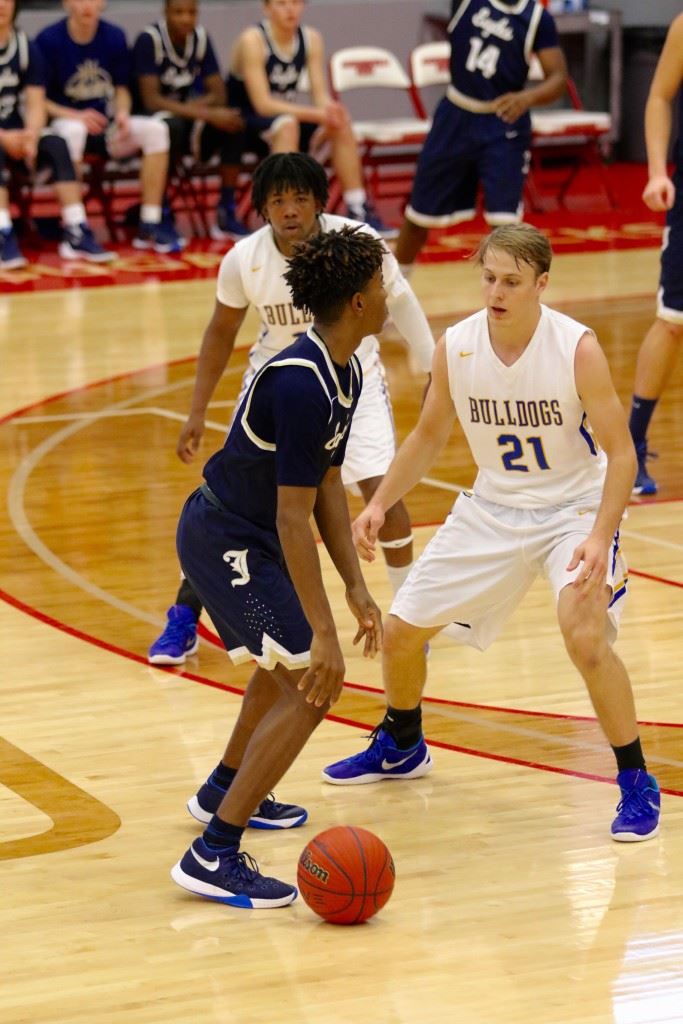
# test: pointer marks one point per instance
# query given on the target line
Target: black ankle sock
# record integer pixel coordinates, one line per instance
(222, 775)
(220, 834)
(404, 727)
(630, 757)
(641, 414)
(187, 596)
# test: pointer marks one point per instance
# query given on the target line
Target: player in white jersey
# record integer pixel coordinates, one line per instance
(533, 393)
(290, 191)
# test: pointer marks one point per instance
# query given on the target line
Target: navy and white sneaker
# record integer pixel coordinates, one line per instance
(10, 253)
(231, 877)
(161, 238)
(638, 810)
(79, 243)
(382, 760)
(178, 640)
(368, 215)
(644, 483)
(269, 814)
(228, 225)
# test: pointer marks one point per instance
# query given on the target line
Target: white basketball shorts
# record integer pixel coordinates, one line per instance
(481, 562)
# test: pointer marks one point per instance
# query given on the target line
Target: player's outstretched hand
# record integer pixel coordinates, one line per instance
(190, 438)
(323, 680)
(364, 531)
(591, 555)
(659, 193)
(369, 619)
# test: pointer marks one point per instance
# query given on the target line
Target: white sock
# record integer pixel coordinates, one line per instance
(73, 215)
(406, 269)
(355, 199)
(397, 575)
(150, 214)
(5, 221)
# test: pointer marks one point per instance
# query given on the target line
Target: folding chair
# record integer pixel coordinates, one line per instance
(429, 66)
(569, 140)
(388, 146)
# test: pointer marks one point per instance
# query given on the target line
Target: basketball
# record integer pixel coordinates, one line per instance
(346, 874)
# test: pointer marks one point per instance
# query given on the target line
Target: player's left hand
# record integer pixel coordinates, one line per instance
(591, 555)
(369, 619)
(510, 106)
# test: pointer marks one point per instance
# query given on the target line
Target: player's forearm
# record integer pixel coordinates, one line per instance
(411, 321)
(303, 563)
(621, 472)
(213, 358)
(547, 91)
(657, 134)
(331, 513)
(269, 107)
(122, 100)
(57, 110)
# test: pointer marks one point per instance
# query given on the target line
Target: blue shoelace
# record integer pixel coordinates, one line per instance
(634, 805)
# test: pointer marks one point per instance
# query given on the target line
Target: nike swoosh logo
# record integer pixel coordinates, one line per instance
(395, 764)
(255, 269)
(210, 865)
(463, 354)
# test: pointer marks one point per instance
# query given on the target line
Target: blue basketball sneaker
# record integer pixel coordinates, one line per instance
(269, 814)
(231, 877)
(638, 810)
(368, 215)
(382, 760)
(79, 243)
(644, 483)
(10, 253)
(178, 640)
(228, 225)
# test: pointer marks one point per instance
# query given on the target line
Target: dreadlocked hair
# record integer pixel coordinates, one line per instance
(280, 172)
(328, 269)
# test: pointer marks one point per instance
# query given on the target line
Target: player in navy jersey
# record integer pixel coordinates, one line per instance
(178, 77)
(481, 130)
(268, 66)
(659, 350)
(87, 79)
(26, 147)
(246, 545)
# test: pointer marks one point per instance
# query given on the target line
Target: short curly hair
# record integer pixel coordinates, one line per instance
(328, 269)
(296, 171)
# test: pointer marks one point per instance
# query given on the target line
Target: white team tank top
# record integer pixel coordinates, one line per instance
(251, 273)
(525, 424)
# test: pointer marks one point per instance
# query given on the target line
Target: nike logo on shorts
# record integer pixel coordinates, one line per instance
(254, 270)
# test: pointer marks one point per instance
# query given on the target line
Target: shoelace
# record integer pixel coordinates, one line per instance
(175, 631)
(634, 804)
(244, 866)
(369, 755)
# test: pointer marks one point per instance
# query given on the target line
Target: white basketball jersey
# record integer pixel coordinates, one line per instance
(251, 274)
(525, 424)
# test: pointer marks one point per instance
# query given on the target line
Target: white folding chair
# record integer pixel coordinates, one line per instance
(429, 66)
(387, 144)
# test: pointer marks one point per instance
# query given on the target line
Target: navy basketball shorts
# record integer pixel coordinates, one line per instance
(239, 573)
(461, 150)
(670, 294)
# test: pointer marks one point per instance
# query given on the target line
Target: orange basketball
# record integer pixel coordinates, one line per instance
(346, 874)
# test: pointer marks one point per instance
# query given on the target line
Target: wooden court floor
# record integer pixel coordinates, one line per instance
(511, 905)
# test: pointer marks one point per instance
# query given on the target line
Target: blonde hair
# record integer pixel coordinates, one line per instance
(523, 242)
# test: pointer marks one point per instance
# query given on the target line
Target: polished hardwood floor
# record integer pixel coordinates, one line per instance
(511, 905)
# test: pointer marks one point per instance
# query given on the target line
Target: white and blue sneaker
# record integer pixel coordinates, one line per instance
(79, 243)
(270, 814)
(368, 215)
(10, 253)
(231, 877)
(644, 484)
(638, 810)
(228, 225)
(178, 640)
(161, 237)
(382, 760)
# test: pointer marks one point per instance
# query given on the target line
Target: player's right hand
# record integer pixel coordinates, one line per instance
(227, 119)
(14, 142)
(364, 531)
(323, 680)
(659, 193)
(94, 121)
(190, 438)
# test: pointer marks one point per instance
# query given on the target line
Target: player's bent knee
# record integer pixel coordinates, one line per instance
(673, 329)
(400, 637)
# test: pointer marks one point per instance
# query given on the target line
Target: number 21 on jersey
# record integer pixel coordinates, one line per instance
(515, 453)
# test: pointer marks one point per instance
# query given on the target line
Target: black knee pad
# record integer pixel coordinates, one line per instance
(53, 152)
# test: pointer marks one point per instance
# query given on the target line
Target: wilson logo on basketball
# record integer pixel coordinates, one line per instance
(308, 864)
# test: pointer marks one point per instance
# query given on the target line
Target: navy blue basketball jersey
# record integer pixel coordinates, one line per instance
(291, 426)
(282, 71)
(20, 65)
(84, 75)
(492, 43)
(181, 75)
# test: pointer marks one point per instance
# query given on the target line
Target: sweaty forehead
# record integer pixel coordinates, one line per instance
(498, 261)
